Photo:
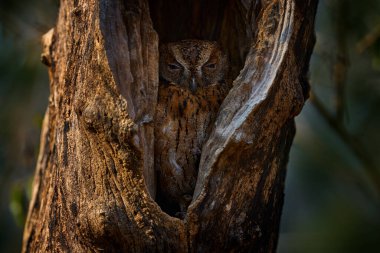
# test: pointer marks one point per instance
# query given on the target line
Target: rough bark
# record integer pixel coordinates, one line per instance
(94, 185)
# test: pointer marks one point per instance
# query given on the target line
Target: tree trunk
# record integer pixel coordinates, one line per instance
(94, 185)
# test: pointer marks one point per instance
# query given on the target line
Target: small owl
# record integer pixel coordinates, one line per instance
(192, 87)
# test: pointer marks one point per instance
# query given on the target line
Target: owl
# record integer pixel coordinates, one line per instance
(192, 87)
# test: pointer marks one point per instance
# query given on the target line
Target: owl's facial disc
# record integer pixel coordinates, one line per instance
(192, 64)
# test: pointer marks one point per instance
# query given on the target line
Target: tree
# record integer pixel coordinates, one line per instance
(94, 185)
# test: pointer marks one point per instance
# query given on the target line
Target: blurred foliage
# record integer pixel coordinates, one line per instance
(18, 202)
(23, 100)
(332, 189)
(331, 202)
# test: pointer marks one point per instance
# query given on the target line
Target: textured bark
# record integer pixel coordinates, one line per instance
(94, 185)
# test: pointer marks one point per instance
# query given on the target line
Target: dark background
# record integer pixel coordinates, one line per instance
(331, 202)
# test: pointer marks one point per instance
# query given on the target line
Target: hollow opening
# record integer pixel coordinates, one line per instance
(229, 22)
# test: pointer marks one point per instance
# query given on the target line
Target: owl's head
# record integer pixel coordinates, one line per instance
(193, 64)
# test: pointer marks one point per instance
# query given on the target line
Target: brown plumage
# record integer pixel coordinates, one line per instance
(192, 87)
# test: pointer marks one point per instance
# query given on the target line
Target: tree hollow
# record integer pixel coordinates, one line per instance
(94, 185)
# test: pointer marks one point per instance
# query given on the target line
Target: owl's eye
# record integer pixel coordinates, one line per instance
(211, 66)
(172, 66)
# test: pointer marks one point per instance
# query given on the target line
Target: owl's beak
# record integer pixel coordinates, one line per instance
(193, 85)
